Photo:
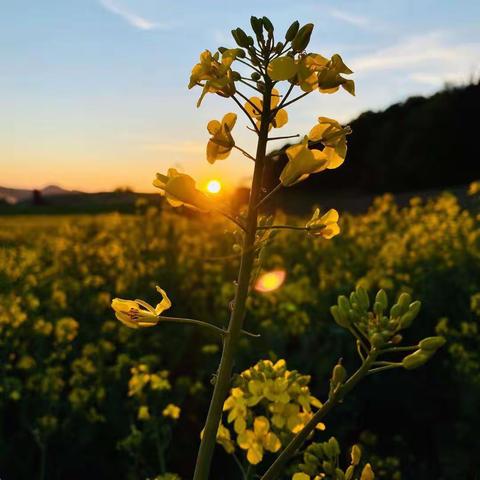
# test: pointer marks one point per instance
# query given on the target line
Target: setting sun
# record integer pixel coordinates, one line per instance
(214, 186)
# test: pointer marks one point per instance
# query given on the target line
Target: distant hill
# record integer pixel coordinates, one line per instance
(419, 144)
(15, 195)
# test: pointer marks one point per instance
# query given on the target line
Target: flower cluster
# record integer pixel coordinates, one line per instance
(267, 405)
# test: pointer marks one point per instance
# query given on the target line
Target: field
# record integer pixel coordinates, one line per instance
(81, 395)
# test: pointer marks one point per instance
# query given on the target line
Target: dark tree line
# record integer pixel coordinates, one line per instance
(421, 143)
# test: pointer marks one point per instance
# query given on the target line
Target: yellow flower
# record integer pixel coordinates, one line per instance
(255, 110)
(333, 136)
(301, 163)
(257, 440)
(131, 313)
(143, 413)
(330, 78)
(325, 226)
(237, 405)
(179, 189)
(221, 143)
(277, 390)
(140, 377)
(474, 188)
(308, 67)
(224, 439)
(217, 76)
(171, 411)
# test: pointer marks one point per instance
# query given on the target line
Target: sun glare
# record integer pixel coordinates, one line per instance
(270, 281)
(214, 186)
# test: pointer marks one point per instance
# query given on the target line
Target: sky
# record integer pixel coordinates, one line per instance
(93, 93)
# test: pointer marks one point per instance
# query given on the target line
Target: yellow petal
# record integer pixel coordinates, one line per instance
(275, 99)
(281, 118)
(261, 426)
(229, 120)
(245, 439)
(330, 231)
(272, 443)
(254, 110)
(126, 320)
(282, 68)
(165, 304)
(213, 126)
(255, 454)
(330, 217)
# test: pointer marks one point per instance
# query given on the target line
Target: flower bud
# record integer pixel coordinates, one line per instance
(302, 38)
(255, 76)
(416, 359)
(240, 37)
(328, 467)
(356, 454)
(349, 472)
(362, 297)
(404, 300)
(339, 316)
(344, 304)
(377, 340)
(279, 47)
(367, 473)
(339, 374)
(256, 24)
(339, 475)
(407, 319)
(378, 309)
(382, 298)
(267, 24)
(396, 311)
(432, 343)
(292, 31)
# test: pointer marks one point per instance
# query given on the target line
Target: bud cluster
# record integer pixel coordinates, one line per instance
(321, 460)
(379, 325)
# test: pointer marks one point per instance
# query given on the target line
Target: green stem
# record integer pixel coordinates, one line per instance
(277, 467)
(222, 384)
(386, 367)
(399, 349)
(269, 195)
(199, 323)
(281, 227)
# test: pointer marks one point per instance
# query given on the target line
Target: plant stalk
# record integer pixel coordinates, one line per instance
(223, 381)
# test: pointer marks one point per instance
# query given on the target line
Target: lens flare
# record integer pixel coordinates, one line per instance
(214, 186)
(270, 281)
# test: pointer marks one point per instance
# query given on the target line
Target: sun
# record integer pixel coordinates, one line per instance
(214, 186)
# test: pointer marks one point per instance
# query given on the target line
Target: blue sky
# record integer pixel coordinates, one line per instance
(93, 92)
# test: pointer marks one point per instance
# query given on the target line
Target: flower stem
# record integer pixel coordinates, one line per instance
(277, 467)
(200, 323)
(222, 384)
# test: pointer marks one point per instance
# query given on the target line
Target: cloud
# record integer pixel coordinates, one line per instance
(356, 20)
(133, 19)
(431, 58)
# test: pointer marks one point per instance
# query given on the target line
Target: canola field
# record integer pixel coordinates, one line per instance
(81, 394)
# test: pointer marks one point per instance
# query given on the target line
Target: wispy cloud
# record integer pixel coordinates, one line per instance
(431, 58)
(356, 20)
(132, 18)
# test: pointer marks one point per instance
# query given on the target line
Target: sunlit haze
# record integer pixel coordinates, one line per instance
(94, 94)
